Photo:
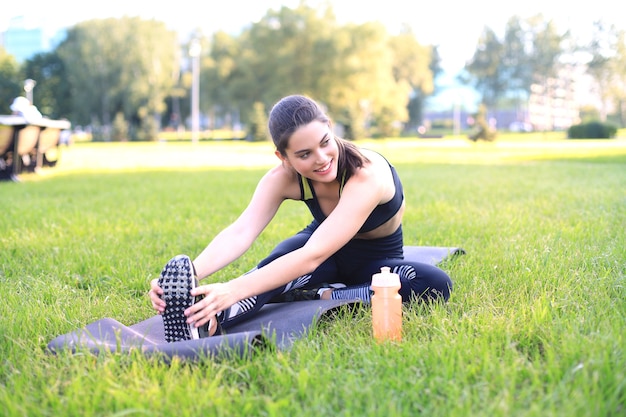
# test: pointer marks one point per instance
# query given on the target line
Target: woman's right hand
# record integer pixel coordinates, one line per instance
(155, 294)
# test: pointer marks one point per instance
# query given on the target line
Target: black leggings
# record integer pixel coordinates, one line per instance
(353, 265)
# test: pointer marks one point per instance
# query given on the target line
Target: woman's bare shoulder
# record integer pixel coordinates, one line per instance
(374, 157)
(282, 180)
(375, 175)
(377, 165)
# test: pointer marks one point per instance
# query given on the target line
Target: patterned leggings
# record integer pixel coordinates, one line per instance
(353, 265)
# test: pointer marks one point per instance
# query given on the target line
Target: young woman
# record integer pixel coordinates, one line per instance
(357, 202)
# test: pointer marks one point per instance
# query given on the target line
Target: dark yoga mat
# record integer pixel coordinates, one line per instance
(278, 324)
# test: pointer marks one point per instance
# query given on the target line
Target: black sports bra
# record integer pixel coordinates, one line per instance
(379, 216)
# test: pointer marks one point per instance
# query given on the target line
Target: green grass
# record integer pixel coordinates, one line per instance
(535, 325)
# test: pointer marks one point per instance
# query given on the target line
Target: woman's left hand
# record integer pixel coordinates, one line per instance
(217, 297)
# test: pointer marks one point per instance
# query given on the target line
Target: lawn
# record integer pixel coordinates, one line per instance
(534, 326)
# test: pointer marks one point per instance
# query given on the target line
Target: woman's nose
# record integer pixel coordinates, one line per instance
(321, 157)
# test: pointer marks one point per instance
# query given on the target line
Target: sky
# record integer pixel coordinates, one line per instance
(453, 25)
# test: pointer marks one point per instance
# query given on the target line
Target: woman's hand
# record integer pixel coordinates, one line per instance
(155, 294)
(217, 297)
(158, 304)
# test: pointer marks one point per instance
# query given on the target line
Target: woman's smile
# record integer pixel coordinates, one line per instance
(326, 168)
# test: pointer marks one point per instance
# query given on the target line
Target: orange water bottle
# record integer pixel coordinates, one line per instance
(386, 306)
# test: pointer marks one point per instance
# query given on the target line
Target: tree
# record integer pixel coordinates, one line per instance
(52, 96)
(365, 93)
(528, 54)
(546, 47)
(125, 65)
(258, 123)
(619, 91)
(485, 68)
(415, 65)
(516, 67)
(11, 81)
(607, 66)
(287, 51)
(128, 73)
(218, 68)
(303, 50)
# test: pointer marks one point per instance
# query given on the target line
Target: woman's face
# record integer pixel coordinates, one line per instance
(313, 152)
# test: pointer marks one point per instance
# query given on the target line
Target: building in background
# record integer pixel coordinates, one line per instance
(553, 104)
(23, 39)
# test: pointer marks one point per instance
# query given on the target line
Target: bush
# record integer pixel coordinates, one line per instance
(258, 124)
(483, 130)
(119, 129)
(442, 124)
(592, 130)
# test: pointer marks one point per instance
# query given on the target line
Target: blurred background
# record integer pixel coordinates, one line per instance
(126, 71)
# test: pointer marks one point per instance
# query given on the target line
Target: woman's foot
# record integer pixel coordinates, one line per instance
(177, 279)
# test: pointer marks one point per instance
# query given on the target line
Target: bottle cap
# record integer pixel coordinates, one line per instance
(385, 278)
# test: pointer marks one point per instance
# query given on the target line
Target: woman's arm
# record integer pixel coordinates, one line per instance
(361, 194)
(236, 239)
(228, 245)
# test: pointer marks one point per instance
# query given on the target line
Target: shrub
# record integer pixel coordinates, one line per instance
(592, 130)
(258, 124)
(483, 130)
(119, 129)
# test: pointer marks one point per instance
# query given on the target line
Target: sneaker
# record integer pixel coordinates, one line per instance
(305, 293)
(177, 279)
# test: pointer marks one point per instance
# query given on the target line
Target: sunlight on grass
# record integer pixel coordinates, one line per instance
(238, 154)
(534, 326)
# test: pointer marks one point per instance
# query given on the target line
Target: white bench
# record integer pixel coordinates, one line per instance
(24, 144)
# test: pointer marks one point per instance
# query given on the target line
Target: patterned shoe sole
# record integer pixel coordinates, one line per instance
(177, 280)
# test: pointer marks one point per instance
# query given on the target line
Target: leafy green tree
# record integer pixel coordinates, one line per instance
(546, 46)
(619, 92)
(281, 54)
(257, 131)
(125, 65)
(11, 81)
(150, 73)
(533, 47)
(119, 128)
(365, 93)
(52, 94)
(485, 68)
(528, 54)
(112, 72)
(416, 65)
(607, 66)
(304, 50)
(545, 51)
(218, 69)
(515, 66)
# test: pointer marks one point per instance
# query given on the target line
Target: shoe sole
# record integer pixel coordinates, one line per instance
(177, 279)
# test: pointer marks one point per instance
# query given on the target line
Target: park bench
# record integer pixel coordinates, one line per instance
(28, 145)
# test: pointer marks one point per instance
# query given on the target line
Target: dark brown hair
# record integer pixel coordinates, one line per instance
(295, 111)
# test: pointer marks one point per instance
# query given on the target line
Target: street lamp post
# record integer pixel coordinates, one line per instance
(194, 53)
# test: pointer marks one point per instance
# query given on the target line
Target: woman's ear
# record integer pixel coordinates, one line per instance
(283, 158)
